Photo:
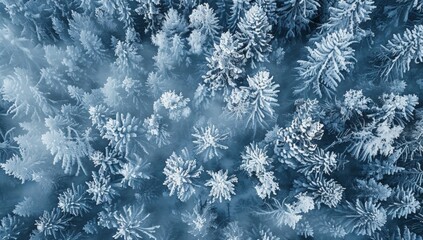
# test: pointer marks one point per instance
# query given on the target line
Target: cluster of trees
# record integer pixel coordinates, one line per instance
(226, 119)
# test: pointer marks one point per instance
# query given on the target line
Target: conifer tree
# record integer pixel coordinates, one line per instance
(254, 35)
(327, 63)
(225, 65)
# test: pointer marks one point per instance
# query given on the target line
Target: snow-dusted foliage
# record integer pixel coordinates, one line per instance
(402, 50)
(181, 172)
(221, 185)
(202, 119)
(74, 201)
(224, 65)
(124, 133)
(349, 14)
(263, 99)
(101, 189)
(254, 35)
(11, 227)
(23, 95)
(237, 11)
(131, 223)
(209, 141)
(173, 105)
(200, 220)
(156, 130)
(205, 23)
(288, 214)
(296, 15)
(327, 63)
(52, 223)
(364, 218)
(67, 147)
(255, 159)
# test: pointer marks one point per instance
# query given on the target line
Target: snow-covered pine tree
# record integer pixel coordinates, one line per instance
(322, 190)
(225, 65)
(93, 46)
(296, 16)
(201, 220)
(254, 35)
(74, 201)
(222, 185)
(327, 63)
(205, 23)
(401, 11)
(288, 214)
(53, 223)
(363, 218)
(402, 203)
(406, 234)
(270, 8)
(255, 159)
(11, 227)
(25, 97)
(263, 99)
(209, 141)
(22, 167)
(127, 53)
(124, 134)
(132, 223)
(150, 10)
(181, 173)
(238, 10)
(403, 49)
(101, 188)
(349, 14)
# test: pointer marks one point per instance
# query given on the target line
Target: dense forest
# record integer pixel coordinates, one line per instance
(211, 119)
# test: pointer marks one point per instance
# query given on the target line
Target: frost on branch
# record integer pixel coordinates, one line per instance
(296, 144)
(204, 21)
(373, 140)
(268, 184)
(107, 163)
(150, 10)
(288, 214)
(322, 190)
(156, 130)
(11, 227)
(296, 16)
(134, 171)
(238, 104)
(26, 98)
(237, 12)
(22, 168)
(403, 203)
